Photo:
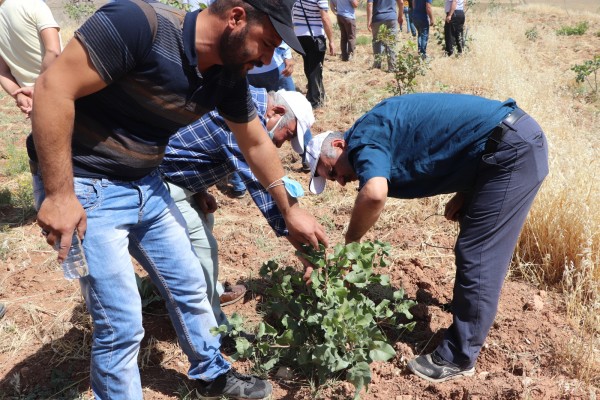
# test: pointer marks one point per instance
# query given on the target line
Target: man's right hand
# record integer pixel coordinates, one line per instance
(59, 216)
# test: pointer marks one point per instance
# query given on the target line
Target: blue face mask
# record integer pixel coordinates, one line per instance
(272, 131)
(293, 188)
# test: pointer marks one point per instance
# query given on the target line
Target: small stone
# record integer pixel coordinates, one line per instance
(284, 373)
(535, 304)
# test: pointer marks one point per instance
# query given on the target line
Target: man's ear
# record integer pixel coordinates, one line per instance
(279, 109)
(237, 16)
(339, 143)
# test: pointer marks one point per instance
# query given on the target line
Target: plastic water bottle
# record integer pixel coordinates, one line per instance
(75, 265)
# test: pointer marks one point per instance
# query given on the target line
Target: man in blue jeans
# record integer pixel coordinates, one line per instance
(423, 19)
(103, 113)
(491, 153)
(201, 154)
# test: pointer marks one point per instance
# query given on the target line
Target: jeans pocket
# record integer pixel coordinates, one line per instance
(88, 192)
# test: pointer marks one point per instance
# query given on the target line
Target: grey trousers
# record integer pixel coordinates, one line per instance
(205, 246)
(508, 180)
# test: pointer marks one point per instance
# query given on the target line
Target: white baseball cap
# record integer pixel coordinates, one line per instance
(313, 153)
(304, 116)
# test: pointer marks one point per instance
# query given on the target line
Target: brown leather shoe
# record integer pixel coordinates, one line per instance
(233, 294)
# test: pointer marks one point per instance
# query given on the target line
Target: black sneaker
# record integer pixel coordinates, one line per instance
(233, 385)
(434, 368)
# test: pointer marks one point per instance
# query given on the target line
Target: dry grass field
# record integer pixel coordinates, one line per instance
(545, 343)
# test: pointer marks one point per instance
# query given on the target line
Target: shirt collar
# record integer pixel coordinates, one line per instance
(189, 37)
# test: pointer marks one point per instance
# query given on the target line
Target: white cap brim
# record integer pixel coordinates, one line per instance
(313, 154)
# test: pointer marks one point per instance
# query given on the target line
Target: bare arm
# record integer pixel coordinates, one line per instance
(51, 42)
(367, 208)
(10, 85)
(354, 3)
(400, 5)
(451, 12)
(261, 155)
(70, 77)
(429, 13)
(328, 31)
(369, 15)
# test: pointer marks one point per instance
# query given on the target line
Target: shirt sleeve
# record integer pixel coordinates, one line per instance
(371, 161)
(116, 37)
(323, 5)
(238, 106)
(43, 17)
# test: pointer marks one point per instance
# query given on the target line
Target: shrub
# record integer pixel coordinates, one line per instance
(577, 30)
(531, 34)
(588, 72)
(331, 327)
(79, 10)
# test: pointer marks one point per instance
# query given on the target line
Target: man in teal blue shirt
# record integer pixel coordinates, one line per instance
(491, 153)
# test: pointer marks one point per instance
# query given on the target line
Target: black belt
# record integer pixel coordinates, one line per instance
(505, 126)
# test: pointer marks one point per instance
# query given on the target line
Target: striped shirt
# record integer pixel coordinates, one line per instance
(312, 8)
(201, 154)
(154, 88)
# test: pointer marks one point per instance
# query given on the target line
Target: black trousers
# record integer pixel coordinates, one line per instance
(453, 32)
(313, 69)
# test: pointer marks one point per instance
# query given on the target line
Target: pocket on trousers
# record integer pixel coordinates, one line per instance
(88, 192)
(503, 158)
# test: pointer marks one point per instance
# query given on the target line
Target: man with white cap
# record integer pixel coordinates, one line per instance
(201, 154)
(491, 153)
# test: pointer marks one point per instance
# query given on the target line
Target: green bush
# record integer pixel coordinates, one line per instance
(79, 10)
(532, 34)
(363, 40)
(588, 72)
(331, 327)
(577, 30)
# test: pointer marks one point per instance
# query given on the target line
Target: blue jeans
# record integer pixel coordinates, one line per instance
(423, 36)
(272, 80)
(237, 183)
(508, 180)
(205, 246)
(410, 27)
(141, 219)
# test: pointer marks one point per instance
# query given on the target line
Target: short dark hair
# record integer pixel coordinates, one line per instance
(220, 8)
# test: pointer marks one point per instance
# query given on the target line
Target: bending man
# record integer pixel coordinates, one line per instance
(492, 154)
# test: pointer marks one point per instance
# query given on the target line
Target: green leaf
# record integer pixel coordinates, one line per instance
(242, 346)
(360, 376)
(381, 351)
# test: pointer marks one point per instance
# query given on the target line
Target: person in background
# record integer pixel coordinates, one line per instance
(454, 25)
(410, 27)
(311, 24)
(423, 19)
(100, 127)
(29, 43)
(383, 13)
(491, 153)
(206, 151)
(346, 18)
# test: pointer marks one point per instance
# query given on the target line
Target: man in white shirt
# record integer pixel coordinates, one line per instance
(453, 27)
(29, 43)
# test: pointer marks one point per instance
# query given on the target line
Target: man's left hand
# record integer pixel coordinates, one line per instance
(304, 228)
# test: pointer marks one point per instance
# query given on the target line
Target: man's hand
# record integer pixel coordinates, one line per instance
(206, 202)
(58, 217)
(24, 99)
(303, 228)
(289, 67)
(331, 48)
(454, 207)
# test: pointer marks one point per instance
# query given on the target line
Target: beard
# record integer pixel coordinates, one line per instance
(233, 52)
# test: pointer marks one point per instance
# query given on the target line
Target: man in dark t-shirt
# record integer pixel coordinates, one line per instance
(491, 153)
(136, 72)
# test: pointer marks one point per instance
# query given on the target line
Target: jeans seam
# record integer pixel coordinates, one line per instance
(112, 330)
